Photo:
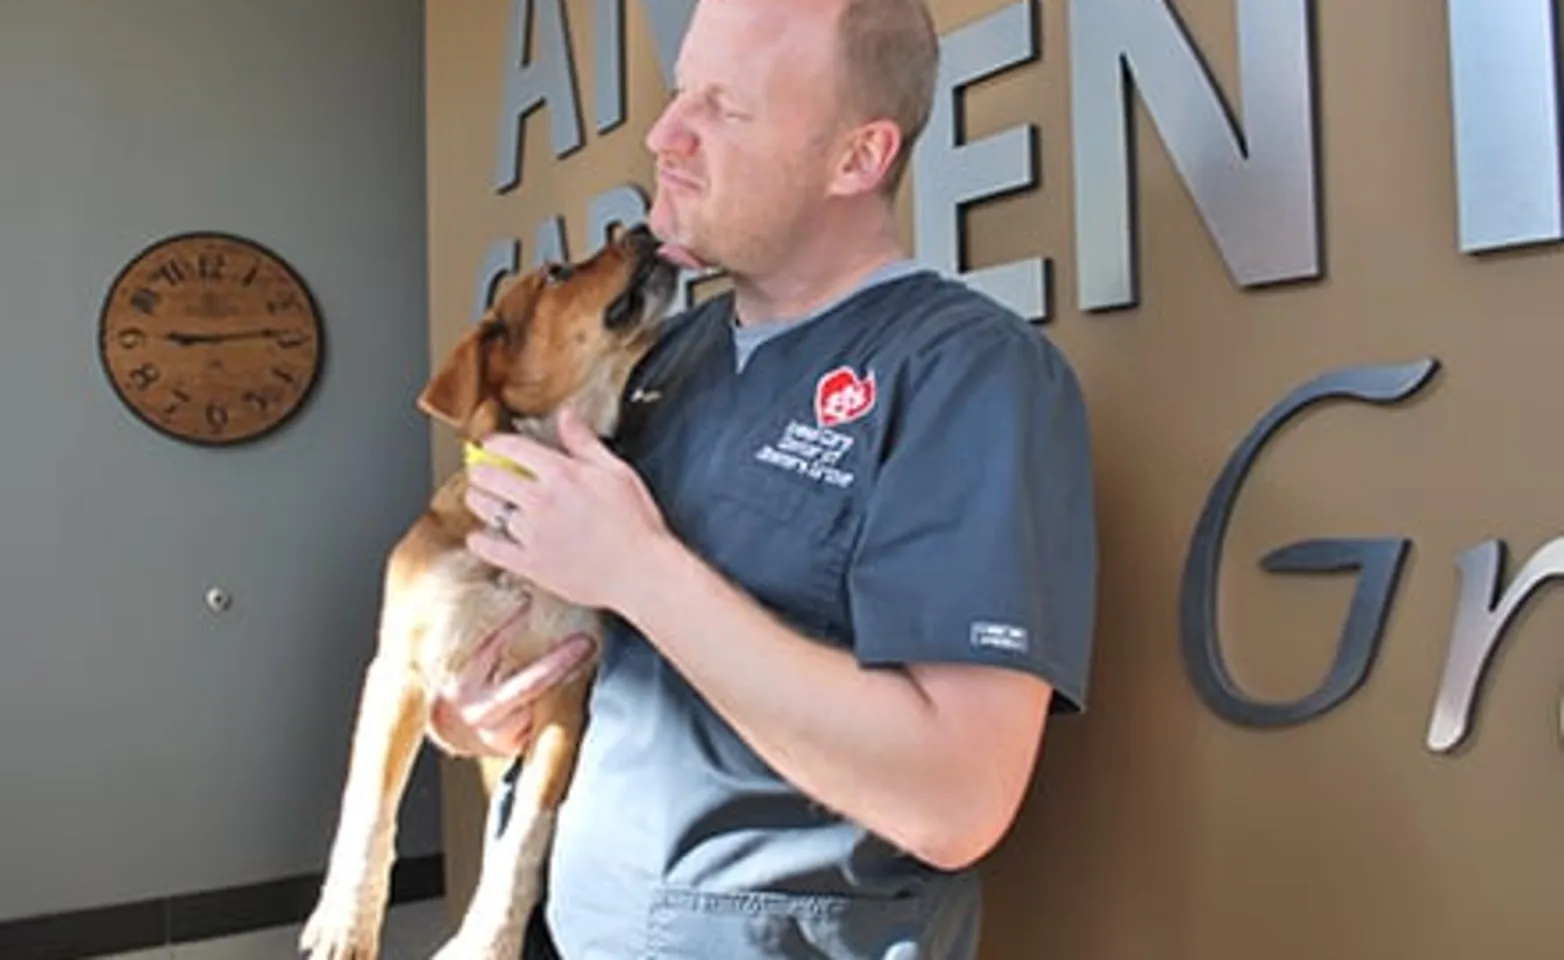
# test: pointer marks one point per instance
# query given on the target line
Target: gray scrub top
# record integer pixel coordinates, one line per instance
(905, 474)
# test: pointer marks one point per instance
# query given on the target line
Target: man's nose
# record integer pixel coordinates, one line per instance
(669, 133)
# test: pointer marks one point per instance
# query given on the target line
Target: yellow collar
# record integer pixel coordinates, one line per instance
(473, 455)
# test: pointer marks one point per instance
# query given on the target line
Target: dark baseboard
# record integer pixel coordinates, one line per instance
(126, 927)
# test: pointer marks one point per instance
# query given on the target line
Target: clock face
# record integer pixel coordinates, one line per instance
(210, 339)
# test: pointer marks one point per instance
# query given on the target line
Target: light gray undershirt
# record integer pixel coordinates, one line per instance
(746, 339)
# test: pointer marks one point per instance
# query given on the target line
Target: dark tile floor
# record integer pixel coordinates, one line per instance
(412, 932)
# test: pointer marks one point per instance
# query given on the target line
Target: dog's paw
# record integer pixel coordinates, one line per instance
(340, 930)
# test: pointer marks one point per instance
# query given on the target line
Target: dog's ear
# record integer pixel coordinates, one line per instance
(459, 389)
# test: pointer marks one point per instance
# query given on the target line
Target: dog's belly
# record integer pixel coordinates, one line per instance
(461, 601)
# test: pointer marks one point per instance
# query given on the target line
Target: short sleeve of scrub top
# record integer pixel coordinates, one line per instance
(977, 542)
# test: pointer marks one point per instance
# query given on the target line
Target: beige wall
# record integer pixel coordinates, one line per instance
(1156, 829)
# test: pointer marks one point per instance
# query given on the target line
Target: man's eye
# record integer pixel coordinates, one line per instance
(728, 110)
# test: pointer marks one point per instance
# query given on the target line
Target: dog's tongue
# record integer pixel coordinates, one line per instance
(679, 255)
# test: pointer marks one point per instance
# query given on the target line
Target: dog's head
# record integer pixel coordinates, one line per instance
(561, 334)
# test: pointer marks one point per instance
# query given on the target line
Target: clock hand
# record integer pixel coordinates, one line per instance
(189, 339)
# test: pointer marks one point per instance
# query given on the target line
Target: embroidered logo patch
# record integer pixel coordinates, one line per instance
(999, 636)
(842, 396)
(815, 450)
(809, 451)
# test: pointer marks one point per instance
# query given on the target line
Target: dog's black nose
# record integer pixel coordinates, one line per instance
(641, 239)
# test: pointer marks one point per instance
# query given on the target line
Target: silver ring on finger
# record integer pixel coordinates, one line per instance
(500, 522)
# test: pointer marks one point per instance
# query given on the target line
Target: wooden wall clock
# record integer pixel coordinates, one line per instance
(211, 339)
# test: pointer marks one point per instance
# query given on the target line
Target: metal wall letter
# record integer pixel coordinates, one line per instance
(549, 241)
(1378, 560)
(1254, 185)
(500, 261)
(608, 63)
(1478, 626)
(624, 205)
(1504, 90)
(947, 176)
(669, 19)
(549, 80)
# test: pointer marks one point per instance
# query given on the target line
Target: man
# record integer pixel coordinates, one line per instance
(846, 535)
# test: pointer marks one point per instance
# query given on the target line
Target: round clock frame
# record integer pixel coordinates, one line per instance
(211, 339)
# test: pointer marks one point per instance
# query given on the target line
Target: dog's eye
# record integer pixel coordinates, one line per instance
(558, 272)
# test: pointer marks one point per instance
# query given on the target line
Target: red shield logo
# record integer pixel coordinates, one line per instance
(842, 396)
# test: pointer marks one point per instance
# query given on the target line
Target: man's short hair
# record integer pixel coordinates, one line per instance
(890, 64)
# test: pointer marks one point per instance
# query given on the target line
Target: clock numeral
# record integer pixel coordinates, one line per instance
(258, 401)
(144, 376)
(209, 266)
(173, 272)
(290, 339)
(216, 417)
(130, 338)
(249, 276)
(180, 399)
(146, 300)
(282, 304)
(285, 375)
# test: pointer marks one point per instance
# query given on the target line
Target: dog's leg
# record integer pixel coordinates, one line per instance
(515, 857)
(346, 922)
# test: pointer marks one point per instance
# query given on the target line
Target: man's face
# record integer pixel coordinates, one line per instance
(745, 147)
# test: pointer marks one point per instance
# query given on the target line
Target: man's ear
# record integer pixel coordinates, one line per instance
(867, 155)
(455, 392)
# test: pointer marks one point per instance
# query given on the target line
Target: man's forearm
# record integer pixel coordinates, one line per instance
(878, 746)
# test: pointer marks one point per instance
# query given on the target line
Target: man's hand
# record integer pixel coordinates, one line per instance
(574, 531)
(580, 523)
(480, 712)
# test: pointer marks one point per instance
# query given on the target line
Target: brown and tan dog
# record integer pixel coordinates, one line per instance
(561, 335)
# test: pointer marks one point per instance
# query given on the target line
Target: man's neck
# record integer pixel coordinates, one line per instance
(824, 272)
